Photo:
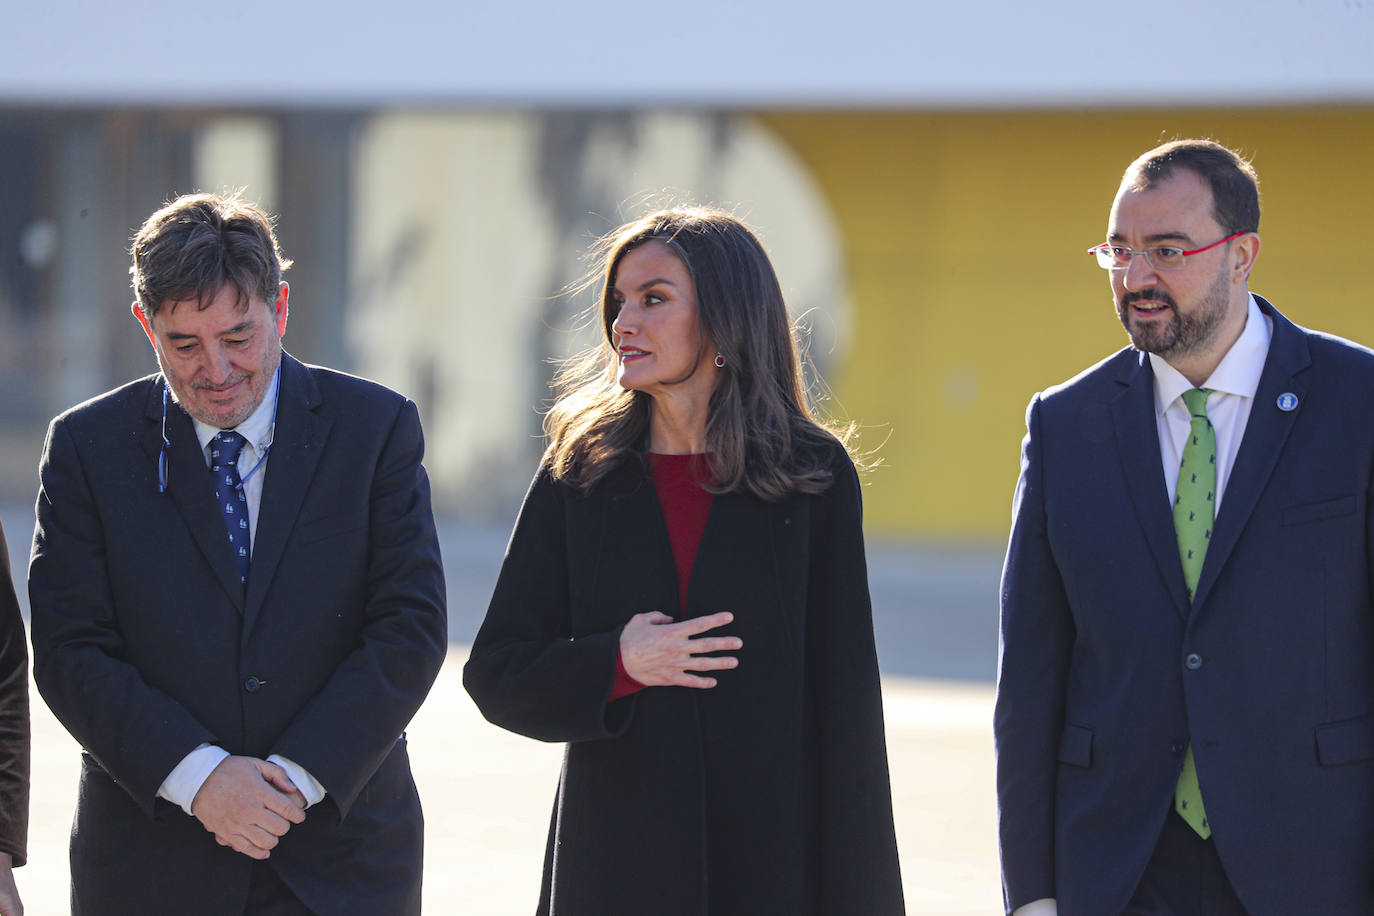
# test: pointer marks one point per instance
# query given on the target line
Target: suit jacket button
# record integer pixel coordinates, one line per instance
(1193, 661)
(253, 685)
(1176, 748)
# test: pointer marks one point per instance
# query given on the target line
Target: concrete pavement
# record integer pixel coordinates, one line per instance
(487, 795)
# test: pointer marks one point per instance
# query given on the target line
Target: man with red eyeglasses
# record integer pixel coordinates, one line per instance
(1185, 706)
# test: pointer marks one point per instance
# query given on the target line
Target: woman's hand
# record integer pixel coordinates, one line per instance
(659, 653)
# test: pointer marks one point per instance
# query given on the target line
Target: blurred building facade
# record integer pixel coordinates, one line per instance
(935, 257)
(927, 184)
(438, 252)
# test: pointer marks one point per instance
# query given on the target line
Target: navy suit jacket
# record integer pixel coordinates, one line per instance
(145, 644)
(1107, 670)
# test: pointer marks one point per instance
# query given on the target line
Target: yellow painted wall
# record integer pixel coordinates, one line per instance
(965, 239)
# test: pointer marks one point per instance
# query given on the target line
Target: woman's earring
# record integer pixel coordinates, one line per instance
(720, 361)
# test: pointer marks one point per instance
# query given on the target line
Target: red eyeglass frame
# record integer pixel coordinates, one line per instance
(1142, 251)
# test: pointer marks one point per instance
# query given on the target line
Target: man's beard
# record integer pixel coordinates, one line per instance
(1182, 335)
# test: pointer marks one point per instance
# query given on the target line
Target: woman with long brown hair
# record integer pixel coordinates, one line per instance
(684, 601)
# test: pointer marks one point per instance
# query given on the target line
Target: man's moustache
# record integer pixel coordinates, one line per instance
(1154, 295)
(200, 386)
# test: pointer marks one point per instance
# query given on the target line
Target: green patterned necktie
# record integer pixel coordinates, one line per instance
(1194, 510)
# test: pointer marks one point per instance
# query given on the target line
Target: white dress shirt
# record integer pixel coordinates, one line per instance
(182, 784)
(1232, 384)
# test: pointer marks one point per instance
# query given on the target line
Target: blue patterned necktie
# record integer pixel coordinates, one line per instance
(233, 505)
(1194, 510)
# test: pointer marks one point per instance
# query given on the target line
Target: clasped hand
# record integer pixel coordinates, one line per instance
(248, 804)
(659, 653)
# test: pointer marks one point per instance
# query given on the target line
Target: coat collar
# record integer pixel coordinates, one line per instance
(633, 506)
(1265, 434)
(188, 483)
(1137, 441)
(1266, 431)
(296, 448)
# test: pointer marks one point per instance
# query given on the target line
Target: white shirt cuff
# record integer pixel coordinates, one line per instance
(310, 786)
(182, 784)
(1046, 906)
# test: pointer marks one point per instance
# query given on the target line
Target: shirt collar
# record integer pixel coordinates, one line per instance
(1239, 371)
(260, 427)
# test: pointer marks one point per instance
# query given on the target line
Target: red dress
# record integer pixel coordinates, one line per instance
(686, 504)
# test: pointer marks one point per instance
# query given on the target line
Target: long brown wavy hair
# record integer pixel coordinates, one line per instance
(761, 435)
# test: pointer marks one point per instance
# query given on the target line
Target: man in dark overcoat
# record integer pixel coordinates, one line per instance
(238, 603)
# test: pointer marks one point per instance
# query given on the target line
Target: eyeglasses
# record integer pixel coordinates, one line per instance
(1160, 257)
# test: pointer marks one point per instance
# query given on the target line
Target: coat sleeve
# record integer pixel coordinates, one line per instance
(528, 672)
(347, 729)
(1036, 639)
(14, 718)
(857, 837)
(80, 658)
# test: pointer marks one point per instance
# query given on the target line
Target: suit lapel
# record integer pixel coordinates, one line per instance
(1137, 440)
(297, 443)
(188, 484)
(637, 532)
(727, 534)
(1265, 434)
(749, 547)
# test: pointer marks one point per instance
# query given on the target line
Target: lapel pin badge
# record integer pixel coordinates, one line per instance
(1287, 401)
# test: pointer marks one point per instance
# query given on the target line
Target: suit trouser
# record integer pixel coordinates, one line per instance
(268, 895)
(1184, 877)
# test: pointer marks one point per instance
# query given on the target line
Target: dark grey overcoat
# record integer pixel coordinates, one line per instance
(767, 794)
(14, 718)
(145, 644)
